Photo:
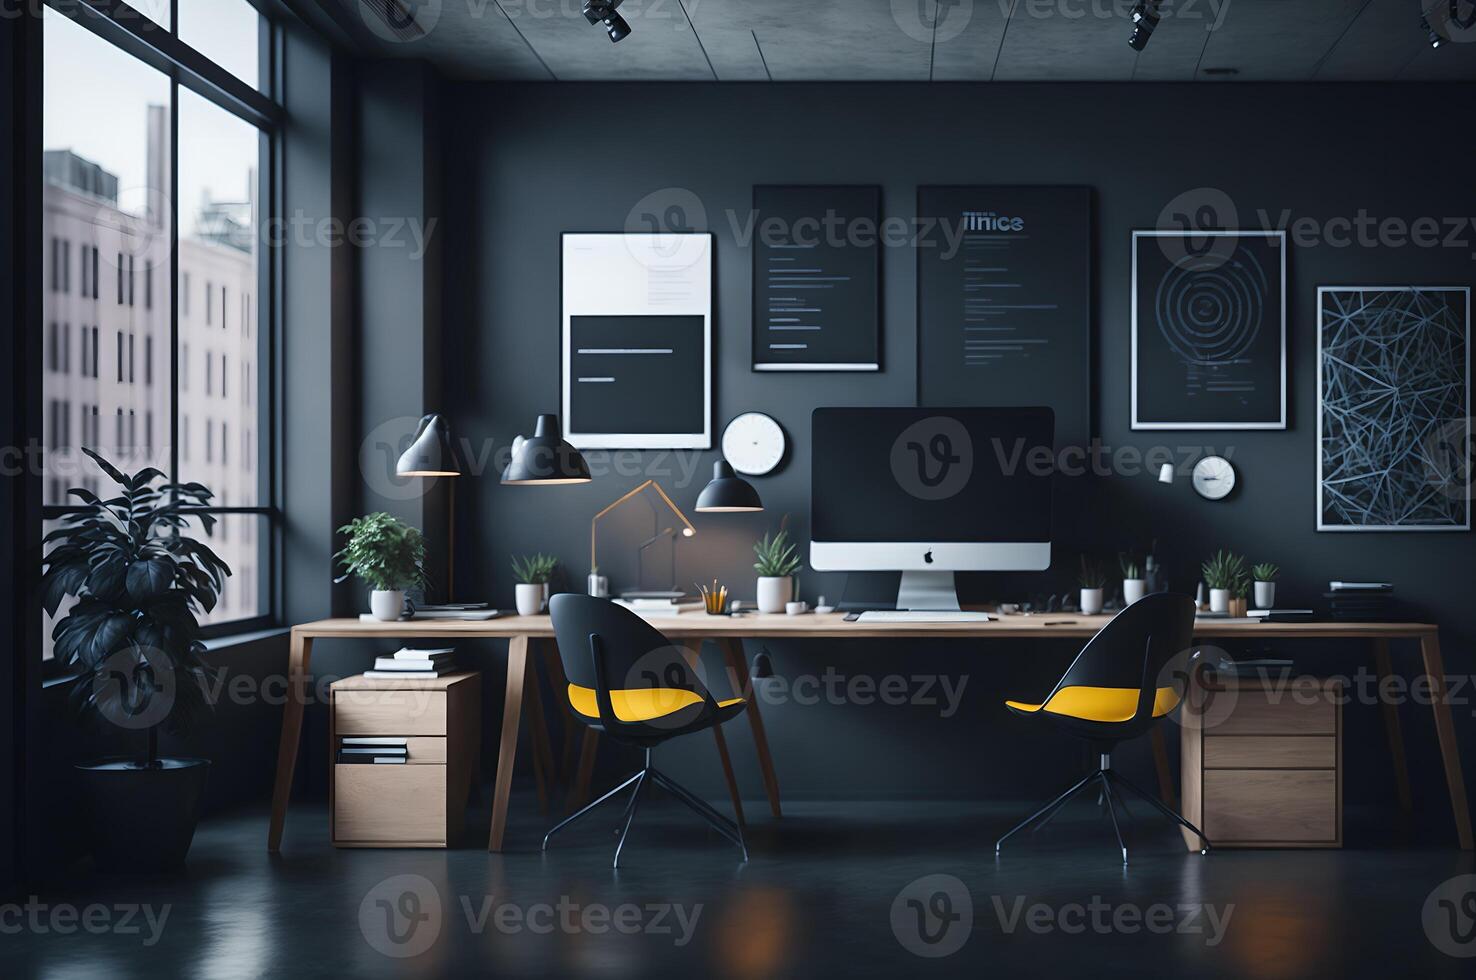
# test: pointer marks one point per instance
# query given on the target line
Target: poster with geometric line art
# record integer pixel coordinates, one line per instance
(1209, 330)
(1394, 408)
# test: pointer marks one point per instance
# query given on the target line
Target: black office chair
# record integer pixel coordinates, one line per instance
(629, 682)
(1115, 690)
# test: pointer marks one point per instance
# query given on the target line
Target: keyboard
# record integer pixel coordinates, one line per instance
(921, 616)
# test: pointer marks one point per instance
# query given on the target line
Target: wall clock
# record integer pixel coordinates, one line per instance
(1214, 477)
(753, 443)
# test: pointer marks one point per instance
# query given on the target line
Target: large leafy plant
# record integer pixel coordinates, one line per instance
(385, 553)
(139, 580)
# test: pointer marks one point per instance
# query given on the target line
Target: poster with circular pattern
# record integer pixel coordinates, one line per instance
(1209, 330)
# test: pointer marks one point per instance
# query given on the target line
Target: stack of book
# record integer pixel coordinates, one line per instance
(373, 750)
(409, 662)
(1360, 602)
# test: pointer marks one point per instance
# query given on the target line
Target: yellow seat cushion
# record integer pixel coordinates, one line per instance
(639, 704)
(1105, 704)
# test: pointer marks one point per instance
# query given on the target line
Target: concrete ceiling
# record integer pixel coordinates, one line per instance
(925, 40)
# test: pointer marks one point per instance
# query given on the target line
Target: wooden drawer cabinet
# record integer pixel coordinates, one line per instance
(1263, 763)
(422, 802)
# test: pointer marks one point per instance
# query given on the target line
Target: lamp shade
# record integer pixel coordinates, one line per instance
(546, 459)
(431, 453)
(727, 493)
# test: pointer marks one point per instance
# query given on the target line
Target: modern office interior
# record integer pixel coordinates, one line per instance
(587, 488)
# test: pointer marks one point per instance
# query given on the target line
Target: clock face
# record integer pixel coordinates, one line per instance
(753, 444)
(1214, 477)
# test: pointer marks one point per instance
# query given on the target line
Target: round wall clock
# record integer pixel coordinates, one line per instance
(753, 444)
(1214, 477)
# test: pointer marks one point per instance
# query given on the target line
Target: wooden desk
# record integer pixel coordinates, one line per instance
(523, 632)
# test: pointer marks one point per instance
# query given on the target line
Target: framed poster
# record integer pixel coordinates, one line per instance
(1394, 408)
(1209, 330)
(637, 340)
(1004, 300)
(816, 279)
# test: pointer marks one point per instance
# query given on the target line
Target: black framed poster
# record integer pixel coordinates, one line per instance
(1004, 300)
(816, 278)
(1209, 330)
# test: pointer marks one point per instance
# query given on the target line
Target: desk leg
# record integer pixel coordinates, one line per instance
(560, 684)
(1450, 751)
(694, 658)
(507, 751)
(543, 769)
(579, 786)
(299, 655)
(1384, 670)
(1161, 763)
(733, 654)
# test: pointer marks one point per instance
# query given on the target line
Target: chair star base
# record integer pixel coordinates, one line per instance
(1106, 779)
(650, 774)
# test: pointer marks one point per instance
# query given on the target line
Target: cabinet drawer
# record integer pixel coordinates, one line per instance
(410, 712)
(1291, 713)
(1270, 752)
(1294, 806)
(389, 804)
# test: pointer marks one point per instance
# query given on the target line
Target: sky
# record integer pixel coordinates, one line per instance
(97, 97)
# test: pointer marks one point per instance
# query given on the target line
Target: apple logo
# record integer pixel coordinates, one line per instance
(928, 557)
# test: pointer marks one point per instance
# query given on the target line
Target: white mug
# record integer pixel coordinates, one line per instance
(795, 608)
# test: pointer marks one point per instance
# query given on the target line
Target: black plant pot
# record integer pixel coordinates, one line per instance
(143, 819)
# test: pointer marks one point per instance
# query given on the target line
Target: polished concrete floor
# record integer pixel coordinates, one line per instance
(862, 889)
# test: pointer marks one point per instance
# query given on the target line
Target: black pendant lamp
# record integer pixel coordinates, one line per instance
(727, 493)
(546, 459)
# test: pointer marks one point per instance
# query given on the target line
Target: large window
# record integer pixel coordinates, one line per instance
(156, 187)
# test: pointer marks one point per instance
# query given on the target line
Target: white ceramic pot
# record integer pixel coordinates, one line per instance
(529, 597)
(1133, 589)
(1265, 595)
(774, 593)
(387, 605)
(1219, 600)
(1091, 601)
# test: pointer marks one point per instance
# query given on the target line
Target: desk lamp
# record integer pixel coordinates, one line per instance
(597, 586)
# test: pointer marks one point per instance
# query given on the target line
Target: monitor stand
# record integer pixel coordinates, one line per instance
(931, 591)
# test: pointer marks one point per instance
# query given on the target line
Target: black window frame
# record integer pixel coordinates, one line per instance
(123, 26)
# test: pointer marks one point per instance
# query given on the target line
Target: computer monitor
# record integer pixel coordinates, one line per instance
(929, 492)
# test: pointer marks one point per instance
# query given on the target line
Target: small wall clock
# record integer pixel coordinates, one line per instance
(754, 444)
(1214, 477)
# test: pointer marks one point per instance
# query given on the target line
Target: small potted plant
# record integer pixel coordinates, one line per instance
(1222, 574)
(388, 556)
(1265, 576)
(133, 642)
(1093, 580)
(533, 573)
(1240, 597)
(1134, 585)
(778, 560)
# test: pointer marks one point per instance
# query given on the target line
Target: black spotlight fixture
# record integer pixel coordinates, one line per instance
(1145, 19)
(603, 12)
(1435, 39)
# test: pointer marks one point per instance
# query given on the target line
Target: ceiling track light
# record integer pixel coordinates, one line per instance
(603, 12)
(1145, 19)
(1430, 32)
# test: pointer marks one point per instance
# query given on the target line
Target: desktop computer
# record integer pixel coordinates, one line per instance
(929, 492)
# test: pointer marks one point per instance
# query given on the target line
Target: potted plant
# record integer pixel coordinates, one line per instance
(388, 556)
(1265, 575)
(1222, 573)
(133, 642)
(1093, 579)
(1240, 596)
(777, 562)
(1134, 585)
(533, 574)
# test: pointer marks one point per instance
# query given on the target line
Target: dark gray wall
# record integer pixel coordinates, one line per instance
(528, 162)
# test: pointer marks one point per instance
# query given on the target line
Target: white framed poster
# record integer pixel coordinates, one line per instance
(637, 340)
(1394, 408)
(1209, 330)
